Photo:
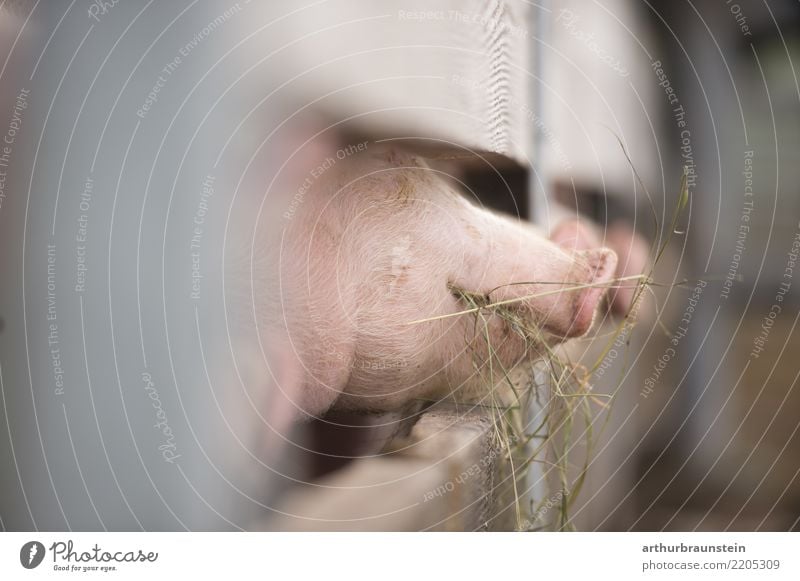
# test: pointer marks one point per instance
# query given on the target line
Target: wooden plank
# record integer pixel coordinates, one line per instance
(446, 475)
(455, 72)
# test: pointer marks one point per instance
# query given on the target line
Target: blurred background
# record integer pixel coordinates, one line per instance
(148, 146)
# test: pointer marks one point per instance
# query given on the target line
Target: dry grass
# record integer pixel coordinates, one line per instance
(562, 389)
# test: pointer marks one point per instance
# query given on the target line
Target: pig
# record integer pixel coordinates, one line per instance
(363, 283)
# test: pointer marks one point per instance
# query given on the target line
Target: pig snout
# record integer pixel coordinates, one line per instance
(573, 285)
(576, 236)
(601, 265)
(554, 286)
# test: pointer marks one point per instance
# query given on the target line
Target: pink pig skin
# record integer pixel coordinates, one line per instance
(379, 241)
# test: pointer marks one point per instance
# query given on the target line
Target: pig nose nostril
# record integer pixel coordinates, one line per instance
(602, 264)
(575, 309)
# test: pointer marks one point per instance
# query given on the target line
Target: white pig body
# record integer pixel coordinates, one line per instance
(381, 240)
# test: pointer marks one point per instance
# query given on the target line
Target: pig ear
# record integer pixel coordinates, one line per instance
(573, 235)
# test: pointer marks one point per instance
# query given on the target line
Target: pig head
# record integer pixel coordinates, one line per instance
(368, 271)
